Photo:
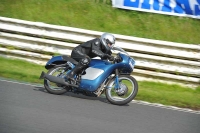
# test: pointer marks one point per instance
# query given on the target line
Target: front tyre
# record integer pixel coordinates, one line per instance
(128, 88)
(54, 88)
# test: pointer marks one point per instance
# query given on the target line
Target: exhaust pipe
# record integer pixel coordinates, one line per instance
(55, 79)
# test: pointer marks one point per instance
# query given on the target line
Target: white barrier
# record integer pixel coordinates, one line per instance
(167, 61)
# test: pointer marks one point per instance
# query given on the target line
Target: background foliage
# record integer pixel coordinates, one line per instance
(99, 15)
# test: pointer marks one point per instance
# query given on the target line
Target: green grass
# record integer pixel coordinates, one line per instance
(101, 16)
(166, 94)
(169, 94)
(20, 70)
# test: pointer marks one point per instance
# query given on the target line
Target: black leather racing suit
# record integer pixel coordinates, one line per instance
(92, 48)
(84, 52)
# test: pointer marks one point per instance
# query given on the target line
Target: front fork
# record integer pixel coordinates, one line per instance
(116, 79)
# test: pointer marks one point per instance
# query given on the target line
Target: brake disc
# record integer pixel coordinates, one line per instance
(123, 89)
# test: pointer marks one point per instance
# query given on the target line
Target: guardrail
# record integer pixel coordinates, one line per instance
(158, 60)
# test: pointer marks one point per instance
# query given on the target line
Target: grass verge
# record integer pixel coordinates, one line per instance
(101, 16)
(166, 94)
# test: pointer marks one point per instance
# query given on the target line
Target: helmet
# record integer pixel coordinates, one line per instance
(108, 41)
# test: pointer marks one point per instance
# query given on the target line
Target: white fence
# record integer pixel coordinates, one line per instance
(158, 60)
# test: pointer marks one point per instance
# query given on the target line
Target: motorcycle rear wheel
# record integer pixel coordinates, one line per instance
(54, 88)
(128, 88)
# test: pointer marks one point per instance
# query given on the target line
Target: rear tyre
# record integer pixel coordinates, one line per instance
(128, 88)
(54, 88)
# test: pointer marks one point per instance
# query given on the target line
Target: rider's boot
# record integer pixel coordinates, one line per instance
(81, 64)
(73, 72)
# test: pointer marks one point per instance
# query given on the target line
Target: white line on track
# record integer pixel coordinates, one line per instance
(166, 107)
(17, 82)
(134, 101)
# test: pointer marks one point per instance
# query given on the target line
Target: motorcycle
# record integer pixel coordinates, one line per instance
(100, 76)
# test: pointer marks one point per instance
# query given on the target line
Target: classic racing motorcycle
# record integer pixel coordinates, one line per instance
(100, 76)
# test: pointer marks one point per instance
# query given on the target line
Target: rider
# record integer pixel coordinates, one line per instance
(98, 47)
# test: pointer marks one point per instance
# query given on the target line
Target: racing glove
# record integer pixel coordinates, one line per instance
(110, 58)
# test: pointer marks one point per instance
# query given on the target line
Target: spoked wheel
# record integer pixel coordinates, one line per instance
(126, 92)
(54, 88)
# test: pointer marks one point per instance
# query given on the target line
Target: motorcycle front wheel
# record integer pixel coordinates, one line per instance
(126, 91)
(55, 88)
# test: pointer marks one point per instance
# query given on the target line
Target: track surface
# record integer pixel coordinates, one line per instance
(30, 109)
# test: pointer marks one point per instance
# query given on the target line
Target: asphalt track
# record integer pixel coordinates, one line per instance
(30, 109)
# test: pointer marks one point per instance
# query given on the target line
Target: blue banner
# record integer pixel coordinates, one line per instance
(188, 8)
